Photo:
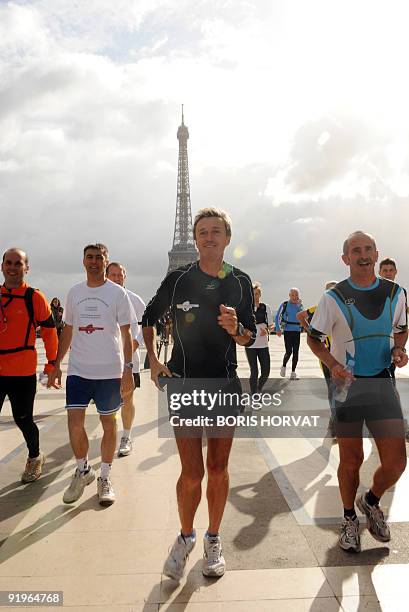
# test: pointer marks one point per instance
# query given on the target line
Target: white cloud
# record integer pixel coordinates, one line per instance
(297, 115)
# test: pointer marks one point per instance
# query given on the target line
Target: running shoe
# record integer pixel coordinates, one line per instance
(375, 520)
(214, 564)
(33, 468)
(175, 563)
(105, 491)
(282, 371)
(78, 483)
(125, 447)
(294, 376)
(350, 539)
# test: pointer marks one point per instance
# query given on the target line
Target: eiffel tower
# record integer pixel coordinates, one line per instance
(183, 250)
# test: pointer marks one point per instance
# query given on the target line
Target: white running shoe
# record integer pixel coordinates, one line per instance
(350, 538)
(214, 564)
(78, 483)
(294, 376)
(125, 447)
(33, 468)
(175, 563)
(282, 371)
(105, 491)
(375, 520)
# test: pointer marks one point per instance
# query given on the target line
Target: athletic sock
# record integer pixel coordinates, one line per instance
(126, 433)
(350, 513)
(185, 536)
(371, 499)
(211, 535)
(83, 465)
(105, 469)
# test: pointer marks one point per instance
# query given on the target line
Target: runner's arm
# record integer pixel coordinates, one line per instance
(278, 317)
(155, 365)
(50, 340)
(302, 318)
(127, 382)
(270, 318)
(156, 308)
(54, 378)
(400, 331)
(64, 343)
(320, 350)
(399, 356)
(244, 315)
(138, 338)
(126, 342)
(45, 320)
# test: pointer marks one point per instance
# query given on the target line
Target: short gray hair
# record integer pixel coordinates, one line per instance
(353, 235)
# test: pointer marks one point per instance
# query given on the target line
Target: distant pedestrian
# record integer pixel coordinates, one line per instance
(57, 311)
(258, 352)
(117, 274)
(286, 321)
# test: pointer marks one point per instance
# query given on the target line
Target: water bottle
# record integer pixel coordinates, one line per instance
(43, 379)
(340, 393)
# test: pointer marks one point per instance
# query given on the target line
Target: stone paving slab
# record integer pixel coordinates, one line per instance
(280, 556)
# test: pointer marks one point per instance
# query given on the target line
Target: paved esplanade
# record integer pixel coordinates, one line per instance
(280, 528)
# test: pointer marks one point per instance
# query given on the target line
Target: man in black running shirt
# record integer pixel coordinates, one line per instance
(211, 303)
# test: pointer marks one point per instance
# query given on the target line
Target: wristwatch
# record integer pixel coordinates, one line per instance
(129, 365)
(240, 330)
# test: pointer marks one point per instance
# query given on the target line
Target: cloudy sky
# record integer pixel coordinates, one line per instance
(298, 119)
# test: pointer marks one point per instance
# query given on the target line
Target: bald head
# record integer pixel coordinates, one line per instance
(14, 267)
(20, 252)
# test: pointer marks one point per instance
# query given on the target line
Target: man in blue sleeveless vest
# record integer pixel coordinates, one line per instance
(367, 319)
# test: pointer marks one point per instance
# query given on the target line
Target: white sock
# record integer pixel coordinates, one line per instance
(126, 433)
(83, 464)
(105, 469)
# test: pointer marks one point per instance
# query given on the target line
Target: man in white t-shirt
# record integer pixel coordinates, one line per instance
(117, 274)
(97, 316)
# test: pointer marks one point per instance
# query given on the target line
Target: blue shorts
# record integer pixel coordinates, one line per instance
(105, 393)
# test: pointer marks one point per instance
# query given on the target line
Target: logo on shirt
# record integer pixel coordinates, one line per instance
(89, 329)
(349, 302)
(186, 306)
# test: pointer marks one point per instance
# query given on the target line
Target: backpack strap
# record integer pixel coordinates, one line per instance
(263, 309)
(339, 293)
(282, 313)
(28, 301)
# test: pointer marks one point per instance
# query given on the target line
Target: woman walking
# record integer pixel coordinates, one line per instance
(259, 353)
